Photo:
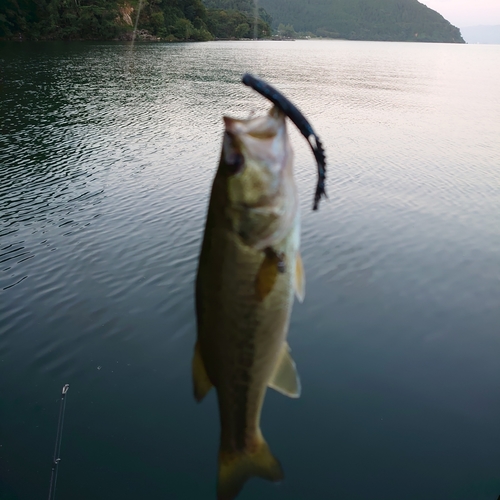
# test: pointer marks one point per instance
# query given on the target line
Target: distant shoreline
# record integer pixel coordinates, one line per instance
(159, 40)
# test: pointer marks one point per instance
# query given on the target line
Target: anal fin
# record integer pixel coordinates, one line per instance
(201, 382)
(285, 378)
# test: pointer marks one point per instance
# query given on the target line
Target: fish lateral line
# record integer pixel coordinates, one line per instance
(301, 122)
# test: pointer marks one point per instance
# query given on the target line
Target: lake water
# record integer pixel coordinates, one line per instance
(107, 153)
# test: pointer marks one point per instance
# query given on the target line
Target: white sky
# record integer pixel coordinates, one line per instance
(463, 13)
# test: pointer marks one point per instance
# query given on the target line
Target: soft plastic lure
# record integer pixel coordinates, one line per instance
(300, 121)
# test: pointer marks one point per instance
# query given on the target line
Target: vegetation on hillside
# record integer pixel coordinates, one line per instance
(233, 24)
(173, 20)
(178, 20)
(402, 20)
(245, 6)
(236, 19)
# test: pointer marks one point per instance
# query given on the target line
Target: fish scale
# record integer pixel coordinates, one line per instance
(253, 324)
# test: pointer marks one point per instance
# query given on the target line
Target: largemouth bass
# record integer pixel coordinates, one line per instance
(249, 269)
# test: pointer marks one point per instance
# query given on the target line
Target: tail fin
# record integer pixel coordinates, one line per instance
(237, 468)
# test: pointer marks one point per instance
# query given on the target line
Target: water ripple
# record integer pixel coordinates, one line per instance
(106, 159)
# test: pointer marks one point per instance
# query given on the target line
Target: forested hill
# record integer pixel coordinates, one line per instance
(245, 6)
(237, 17)
(178, 20)
(401, 20)
(170, 20)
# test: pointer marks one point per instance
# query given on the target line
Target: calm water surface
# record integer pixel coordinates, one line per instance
(106, 159)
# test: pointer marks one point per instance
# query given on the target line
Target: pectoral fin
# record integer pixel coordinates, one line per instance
(267, 274)
(300, 279)
(201, 382)
(285, 378)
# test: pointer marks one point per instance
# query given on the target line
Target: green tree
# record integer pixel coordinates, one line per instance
(242, 30)
(286, 31)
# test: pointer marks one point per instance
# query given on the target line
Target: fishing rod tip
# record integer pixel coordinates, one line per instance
(65, 389)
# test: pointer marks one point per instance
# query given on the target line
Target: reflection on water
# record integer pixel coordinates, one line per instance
(106, 159)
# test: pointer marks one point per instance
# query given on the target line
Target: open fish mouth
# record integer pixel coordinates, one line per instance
(262, 127)
(262, 138)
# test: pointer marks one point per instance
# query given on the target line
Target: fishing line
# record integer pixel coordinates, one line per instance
(300, 121)
(57, 448)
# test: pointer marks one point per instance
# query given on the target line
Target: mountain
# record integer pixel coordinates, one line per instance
(395, 20)
(481, 34)
(170, 20)
(236, 19)
(102, 19)
(177, 20)
(246, 7)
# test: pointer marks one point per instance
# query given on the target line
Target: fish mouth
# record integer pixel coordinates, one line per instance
(261, 127)
(282, 103)
(261, 140)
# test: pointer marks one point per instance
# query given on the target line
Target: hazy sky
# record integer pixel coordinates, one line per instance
(467, 12)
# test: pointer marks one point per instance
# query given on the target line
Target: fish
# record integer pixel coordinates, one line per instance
(249, 271)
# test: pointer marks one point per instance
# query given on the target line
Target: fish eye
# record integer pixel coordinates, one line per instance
(235, 163)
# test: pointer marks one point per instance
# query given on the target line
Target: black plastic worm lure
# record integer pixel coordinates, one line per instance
(280, 101)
